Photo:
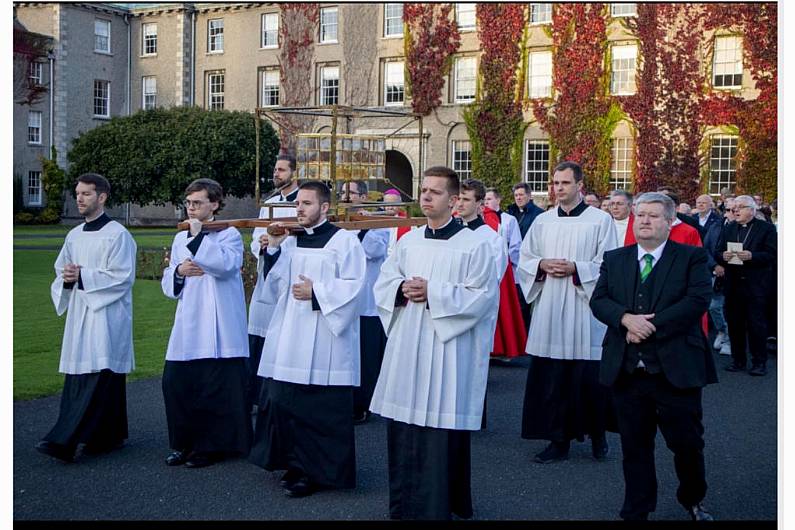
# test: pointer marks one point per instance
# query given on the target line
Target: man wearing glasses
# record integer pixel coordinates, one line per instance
(746, 250)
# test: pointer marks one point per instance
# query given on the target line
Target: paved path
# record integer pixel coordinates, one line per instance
(133, 483)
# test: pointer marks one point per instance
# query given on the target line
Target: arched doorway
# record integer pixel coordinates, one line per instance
(399, 172)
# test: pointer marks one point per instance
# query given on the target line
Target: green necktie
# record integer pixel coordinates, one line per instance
(646, 270)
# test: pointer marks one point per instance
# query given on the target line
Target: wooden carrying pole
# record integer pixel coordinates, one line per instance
(356, 222)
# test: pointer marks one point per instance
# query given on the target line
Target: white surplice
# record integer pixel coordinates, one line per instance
(312, 347)
(261, 308)
(374, 243)
(509, 230)
(499, 248)
(437, 355)
(98, 331)
(563, 326)
(210, 321)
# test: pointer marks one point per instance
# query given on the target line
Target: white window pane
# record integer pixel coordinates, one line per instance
(623, 69)
(328, 24)
(102, 35)
(465, 71)
(462, 158)
(393, 19)
(621, 163)
(34, 188)
(537, 165)
(722, 163)
(623, 10)
(465, 16)
(540, 13)
(540, 74)
(393, 83)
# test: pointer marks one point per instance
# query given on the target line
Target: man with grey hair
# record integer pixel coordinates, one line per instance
(621, 211)
(711, 224)
(747, 250)
(655, 357)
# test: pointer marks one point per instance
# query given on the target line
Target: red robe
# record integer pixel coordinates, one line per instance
(682, 233)
(402, 230)
(510, 337)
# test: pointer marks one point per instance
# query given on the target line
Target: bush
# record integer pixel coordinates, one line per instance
(24, 218)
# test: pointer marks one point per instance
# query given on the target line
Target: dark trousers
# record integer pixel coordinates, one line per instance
(642, 403)
(524, 306)
(746, 318)
(372, 342)
(254, 384)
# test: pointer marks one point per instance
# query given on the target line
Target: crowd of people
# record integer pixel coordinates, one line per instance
(613, 299)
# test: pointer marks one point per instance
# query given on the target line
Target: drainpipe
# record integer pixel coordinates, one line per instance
(51, 60)
(129, 95)
(192, 56)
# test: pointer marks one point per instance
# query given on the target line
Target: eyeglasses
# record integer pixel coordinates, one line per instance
(737, 209)
(194, 204)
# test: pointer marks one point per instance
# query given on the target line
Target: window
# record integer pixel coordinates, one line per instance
(149, 90)
(149, 42)
(34, 188)
(34, 127)
(328, 24)
(539, 75)
(393, 20)
(540, 13)
(101, 99)
(35, 74)
(622, 81)
(465, 72)
(621, 164)
(329, 85)
(270, 30)
(727, 62)
(102, 35)
(623, 10)
(465, 16)
(462, 158)
(722, 162)
(215, 35)
(537, 165)
(215, 92)
(270, 88)
(393, 83)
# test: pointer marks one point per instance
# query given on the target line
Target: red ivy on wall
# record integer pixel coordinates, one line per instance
(431, 39)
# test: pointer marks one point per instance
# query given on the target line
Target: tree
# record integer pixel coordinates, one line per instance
(151, 156)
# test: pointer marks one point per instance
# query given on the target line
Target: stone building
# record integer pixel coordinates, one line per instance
(116, 59)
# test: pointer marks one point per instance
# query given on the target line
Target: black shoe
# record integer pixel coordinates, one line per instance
(196, 460)
(176, 458)
(361, 418)
(758, 369)
(599, 448)
(302, 487)
(94, 449)
(698, 513)
(553, 453)
(61, 452)
(290, 478)
(734, 367)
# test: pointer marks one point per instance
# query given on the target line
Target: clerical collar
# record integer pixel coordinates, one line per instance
(749, 223)
(319, 228)
(475, 223)
(97, 224)
(577, 210)
(445, 232)
(290, 197)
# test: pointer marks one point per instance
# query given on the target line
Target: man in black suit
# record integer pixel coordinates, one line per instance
(747, 285)
(655, 357)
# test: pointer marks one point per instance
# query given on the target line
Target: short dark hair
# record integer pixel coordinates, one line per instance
(671, 192)
(522, 186)
(574, 166)
(476, 186)
(215, 192)
(453, 183)
(593, 193)
(320, 188)
(289, 158)
(496, 193)
(361, 187)
(622, 193)
(101, 184)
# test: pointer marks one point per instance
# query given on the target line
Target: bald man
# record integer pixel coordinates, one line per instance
(711, 223)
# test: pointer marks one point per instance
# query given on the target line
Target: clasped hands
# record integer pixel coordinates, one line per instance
(557, 268)
(744, 255)
(416, 289)
(71, 272)
(189, 268)
(639, 327)
(303, 290)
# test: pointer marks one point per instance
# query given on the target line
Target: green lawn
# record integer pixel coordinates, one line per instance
(38, 331)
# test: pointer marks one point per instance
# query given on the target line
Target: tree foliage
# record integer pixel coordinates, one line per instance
(151, 156)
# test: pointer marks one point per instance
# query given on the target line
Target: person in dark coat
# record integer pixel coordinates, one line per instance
(525, 211)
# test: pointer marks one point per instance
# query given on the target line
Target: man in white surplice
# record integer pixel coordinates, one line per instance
(261, 307)
(558, 269)
(311, 355)
(205, 373)
(437, 296)
(95, 271)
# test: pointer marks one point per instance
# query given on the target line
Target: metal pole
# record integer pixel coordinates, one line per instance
(256, 168)
(333, 158)
(420, 165)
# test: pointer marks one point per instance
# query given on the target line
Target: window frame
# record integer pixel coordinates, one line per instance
(34, 130)
(38, 79)
(145, 94)
(455, 164)
(457, 80)
(321, 88)
(386, 19)
(322, 26)
(385, 91)
(37, 187)
(731, 182)
(526, 169)
(106, 85)
(530, 75)
(210, 94)
(625, 181)
(145, 40)
(468, 27)
(540, 22)
(634, 70)
(613, 6)
(264, 31)
(214, 38)
(738, 50)
(263, 73)
(96, 35)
